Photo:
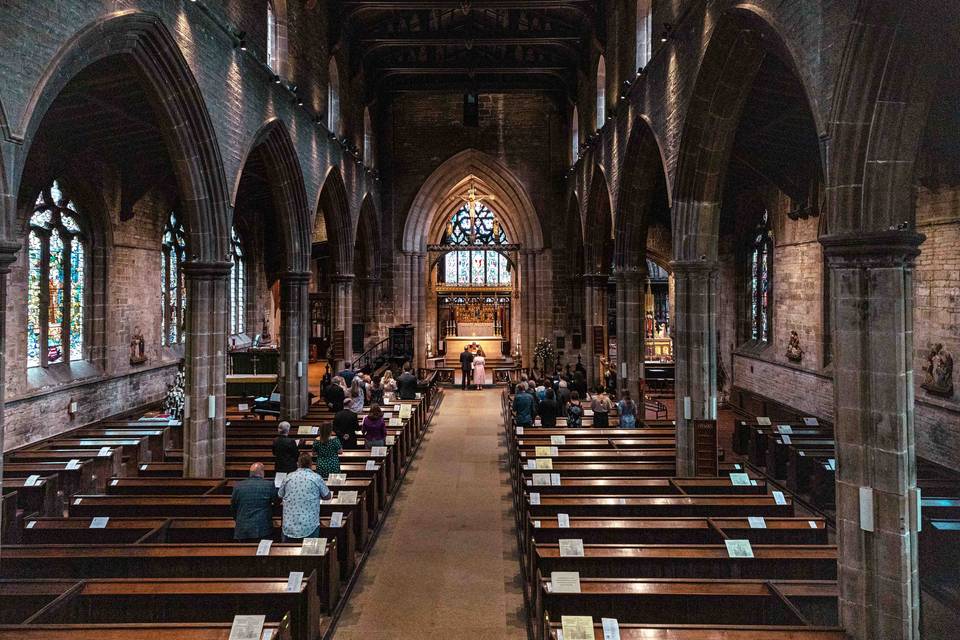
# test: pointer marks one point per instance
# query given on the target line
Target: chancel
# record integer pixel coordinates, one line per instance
(513, 319)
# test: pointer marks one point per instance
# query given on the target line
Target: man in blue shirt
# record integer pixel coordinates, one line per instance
(523, 406)
(302, 492)
(252, 506)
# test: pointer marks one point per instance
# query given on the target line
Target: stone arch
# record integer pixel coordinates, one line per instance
(643, 179)
(6, 194)
(737, 49)
(597, 224)
(287, 188)
(142, 40)
(434, 201)
(367, 232)
(335, 205)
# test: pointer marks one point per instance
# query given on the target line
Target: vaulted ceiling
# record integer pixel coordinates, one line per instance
(480, 45)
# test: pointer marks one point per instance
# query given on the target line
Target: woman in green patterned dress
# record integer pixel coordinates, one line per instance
(326, 451)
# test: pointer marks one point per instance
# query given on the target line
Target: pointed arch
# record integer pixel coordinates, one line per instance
(367, 232)
(334, 204)
(434, 201)
(6, 194)
(597, 225)
(143, 41)
(643, 185)
(287, 188)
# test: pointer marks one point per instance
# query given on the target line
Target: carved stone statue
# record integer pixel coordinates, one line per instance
(939, 372)
(137, 347)
(794, 352)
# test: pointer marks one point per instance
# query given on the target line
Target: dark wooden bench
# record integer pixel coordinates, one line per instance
(154, 631)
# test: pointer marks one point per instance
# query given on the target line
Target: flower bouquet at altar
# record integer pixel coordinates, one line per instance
(544, 352)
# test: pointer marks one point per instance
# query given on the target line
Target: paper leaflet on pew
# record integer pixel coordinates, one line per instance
(336, 519)
(371, 465)
(99, 523)
(313, 547)
(74, 464)
(263, 549)
(739, 548)
(347, 497)
(575, 628)
(337, 478)
(611, 628)
(565, 582)
(406, 411)
(247, 627)
(278, 480)
(571, 548)
(294, 581)
(31, 481)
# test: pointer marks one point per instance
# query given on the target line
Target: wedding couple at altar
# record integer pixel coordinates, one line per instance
(473, 367)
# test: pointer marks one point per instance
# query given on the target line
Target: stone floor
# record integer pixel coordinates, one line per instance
(445, 564)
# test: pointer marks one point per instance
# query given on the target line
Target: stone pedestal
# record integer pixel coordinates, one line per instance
(207, 322)
(630, 336)
(294, 344)
(872, 306)
(695, 352)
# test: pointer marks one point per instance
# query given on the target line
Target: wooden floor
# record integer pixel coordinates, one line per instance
(445, 564)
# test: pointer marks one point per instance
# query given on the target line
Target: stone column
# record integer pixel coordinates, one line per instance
(295, 343)
(871, 278)
(207, 328)
(341, 299)
(595, 313)
(8, 254)
(630, 336)
(695, 352)
(418, 306)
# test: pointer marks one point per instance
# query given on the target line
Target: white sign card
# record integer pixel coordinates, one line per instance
(832, 464)
(542, 452)
(294, 581)
(243, 408)
(378, 452)
(813, 524)
(531, 464)
(337, 478)
(370, 466)
(31, 524)
(519, 431)
(811, 422)
(544, 463)
(278, 479)
(391, 440)
(247, 627)
(104, 451)
(739, 479)
(313, 547)
(347, 497)
(418, 396)
(763, 421)
(576, 627)
(757, 522)
(779, 498)
(571, 548)
(395, 422)
(396, 407)
(31, 481)
(114, 483)
(785, 428)
(534, 498)
(336, 519)
(405, 411)
(558, 439)
(565, 582)
(541, 479)
(555, 479)
(536, 524)
(74, 464)
(786, 439)
(99, 523)
(611, 628)
(263, 549)
(739, 548)
(563, 520)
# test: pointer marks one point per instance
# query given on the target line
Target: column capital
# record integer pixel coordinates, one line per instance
(295, 277)
(8, 254)
(195, 270)
(691, 267)
(630, 275)
(877, 249)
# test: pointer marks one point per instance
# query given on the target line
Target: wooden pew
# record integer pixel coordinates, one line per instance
(10, 533)
(81, 477)
(158, 439)
(154, 631)
(133, 450)
(62, 562)
(41, 497)
(102, 466)
(697, 632)
(111, 601)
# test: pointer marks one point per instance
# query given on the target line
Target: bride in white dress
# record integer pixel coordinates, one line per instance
(479, 371)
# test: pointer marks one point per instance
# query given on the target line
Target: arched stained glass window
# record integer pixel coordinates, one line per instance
(483, 268)
(172, 257)
(644, 32)
(761, 274)
(575, 135)
(601, 92)
(238, 287)
(333, 97)
(56, 287)
(273, 38)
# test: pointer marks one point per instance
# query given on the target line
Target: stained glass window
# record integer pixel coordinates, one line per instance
(476, 268)
(173, 293)
(56, 285)
(761, 263)
(238, 287)
(272, 37)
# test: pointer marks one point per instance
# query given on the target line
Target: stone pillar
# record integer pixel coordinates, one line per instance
(295, 343)
(341, 299)
(529, 302)
(871, 282)
(595, 313)
(418, 306)
(695, 352)
(8, 254)
(207, 327)
(630, 336)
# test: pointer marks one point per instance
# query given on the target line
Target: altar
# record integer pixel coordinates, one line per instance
(491, 346)
(470, 329)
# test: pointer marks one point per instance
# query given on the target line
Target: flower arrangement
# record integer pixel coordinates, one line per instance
(545, 353)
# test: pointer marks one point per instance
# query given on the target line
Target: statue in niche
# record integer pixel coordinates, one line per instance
(265, 336)
(138, 353)
(939, 372)
(794, 352)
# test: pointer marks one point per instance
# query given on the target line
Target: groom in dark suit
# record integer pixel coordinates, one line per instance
(466, 367)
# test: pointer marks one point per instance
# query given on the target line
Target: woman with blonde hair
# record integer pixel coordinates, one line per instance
(357, 396)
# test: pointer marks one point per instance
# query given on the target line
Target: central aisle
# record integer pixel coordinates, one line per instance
(446, 564)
